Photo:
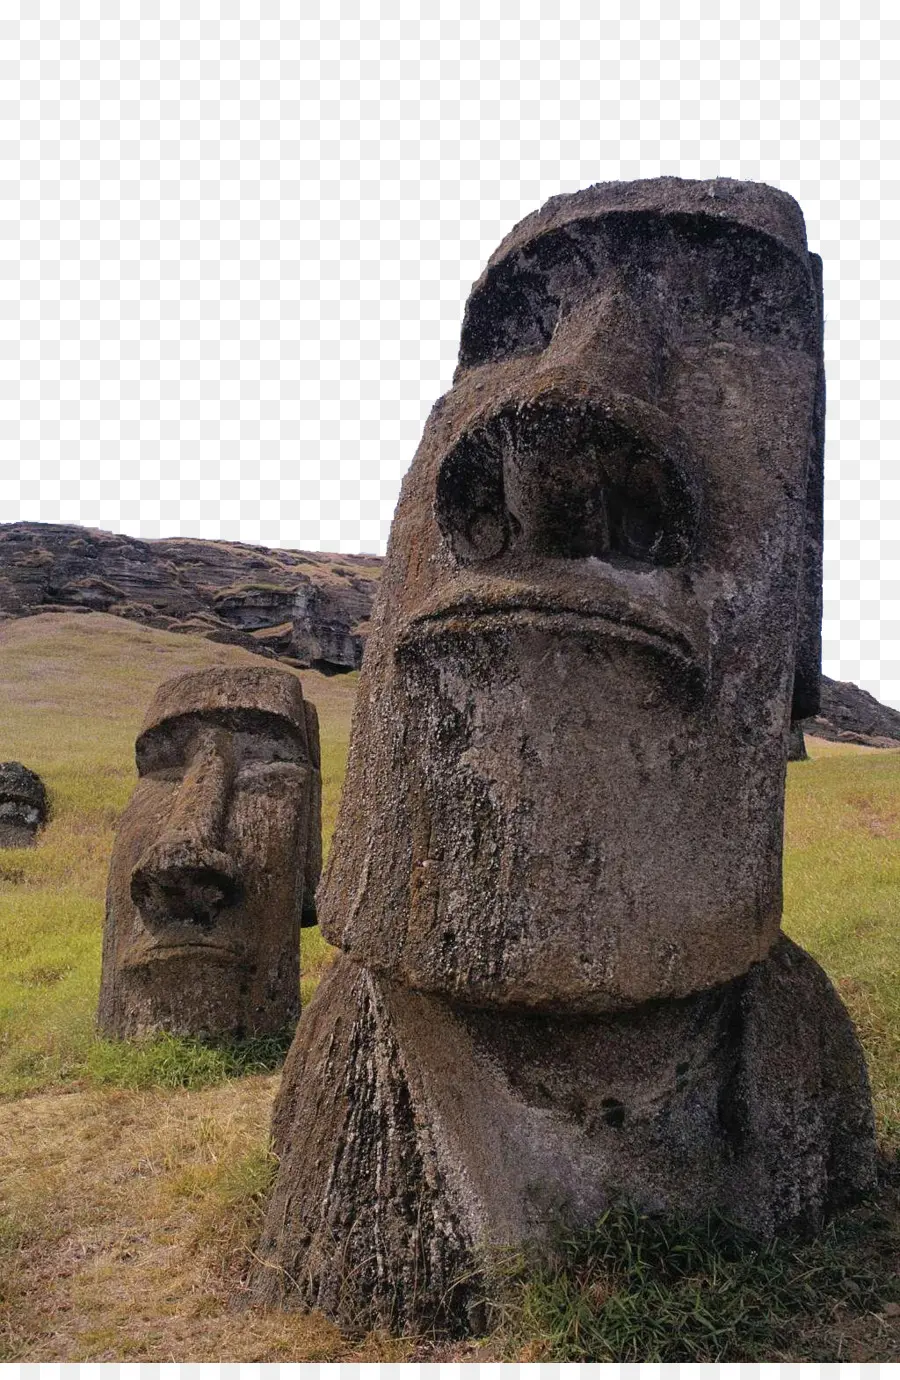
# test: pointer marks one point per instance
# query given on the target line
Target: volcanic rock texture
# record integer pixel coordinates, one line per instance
(23, 805)
(306, 607)
(556, 871)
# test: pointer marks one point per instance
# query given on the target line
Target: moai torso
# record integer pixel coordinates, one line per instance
(216, 859)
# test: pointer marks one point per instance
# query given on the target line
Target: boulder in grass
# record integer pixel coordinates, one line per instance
(23, 805)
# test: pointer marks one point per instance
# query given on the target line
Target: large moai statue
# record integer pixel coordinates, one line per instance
(216, 860)
(556, 876)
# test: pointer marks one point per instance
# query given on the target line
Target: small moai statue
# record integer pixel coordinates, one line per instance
(216, 860)
(23, 805)
(556, 874)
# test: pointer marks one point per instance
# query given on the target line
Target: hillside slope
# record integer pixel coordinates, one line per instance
(309, 608)
(75, 687)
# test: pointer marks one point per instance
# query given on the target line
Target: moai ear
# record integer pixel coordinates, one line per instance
(313, 865)
(808, 656)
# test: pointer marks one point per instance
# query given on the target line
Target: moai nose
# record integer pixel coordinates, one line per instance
(185, 875)
(570, 473)
(584, 463)
(178, 881)
(619, 339)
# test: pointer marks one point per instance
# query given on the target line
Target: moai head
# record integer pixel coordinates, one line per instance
(23, 805)
(601, 597)
(216, 859)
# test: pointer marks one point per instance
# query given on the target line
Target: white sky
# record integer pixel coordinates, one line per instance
(236, 245)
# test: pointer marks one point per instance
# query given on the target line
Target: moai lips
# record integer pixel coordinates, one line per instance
(216, 859)
(566, 781)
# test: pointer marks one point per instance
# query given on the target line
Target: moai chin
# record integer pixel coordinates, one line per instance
(556, 875)
(216, 860)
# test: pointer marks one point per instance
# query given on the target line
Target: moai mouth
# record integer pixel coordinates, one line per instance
(556, 872)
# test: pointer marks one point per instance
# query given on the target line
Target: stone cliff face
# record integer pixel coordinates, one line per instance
(850, 715)
(304, 607)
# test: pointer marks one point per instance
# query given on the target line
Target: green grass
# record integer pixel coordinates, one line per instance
(842, 896)
(171, 1061)
(643, 1288)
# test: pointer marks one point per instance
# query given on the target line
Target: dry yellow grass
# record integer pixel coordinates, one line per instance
(127, 1225)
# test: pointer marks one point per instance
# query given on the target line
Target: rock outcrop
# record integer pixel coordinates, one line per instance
(308, 608)
(848, 714)
(23, 805)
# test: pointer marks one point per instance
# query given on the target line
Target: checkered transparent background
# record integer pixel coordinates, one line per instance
(452, 1371)
(236, 243)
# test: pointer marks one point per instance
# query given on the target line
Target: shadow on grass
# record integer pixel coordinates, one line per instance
(172, 1061)
(644, 1288)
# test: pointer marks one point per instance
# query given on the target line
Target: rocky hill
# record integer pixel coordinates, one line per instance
(307, 608)
(851, 715)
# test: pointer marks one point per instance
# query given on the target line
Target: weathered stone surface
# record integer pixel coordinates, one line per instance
(23, 805)
(227, 591)
(216, 859)
(578, 683)
(331, 630)
(851, 715)
(796, 743)
(556, 872)
(416, 1134)
(361, 1208)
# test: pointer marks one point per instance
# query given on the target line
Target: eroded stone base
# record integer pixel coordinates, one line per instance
(414, 1134)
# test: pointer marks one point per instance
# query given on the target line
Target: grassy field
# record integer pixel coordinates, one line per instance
(131, 1176)
(842, 895)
